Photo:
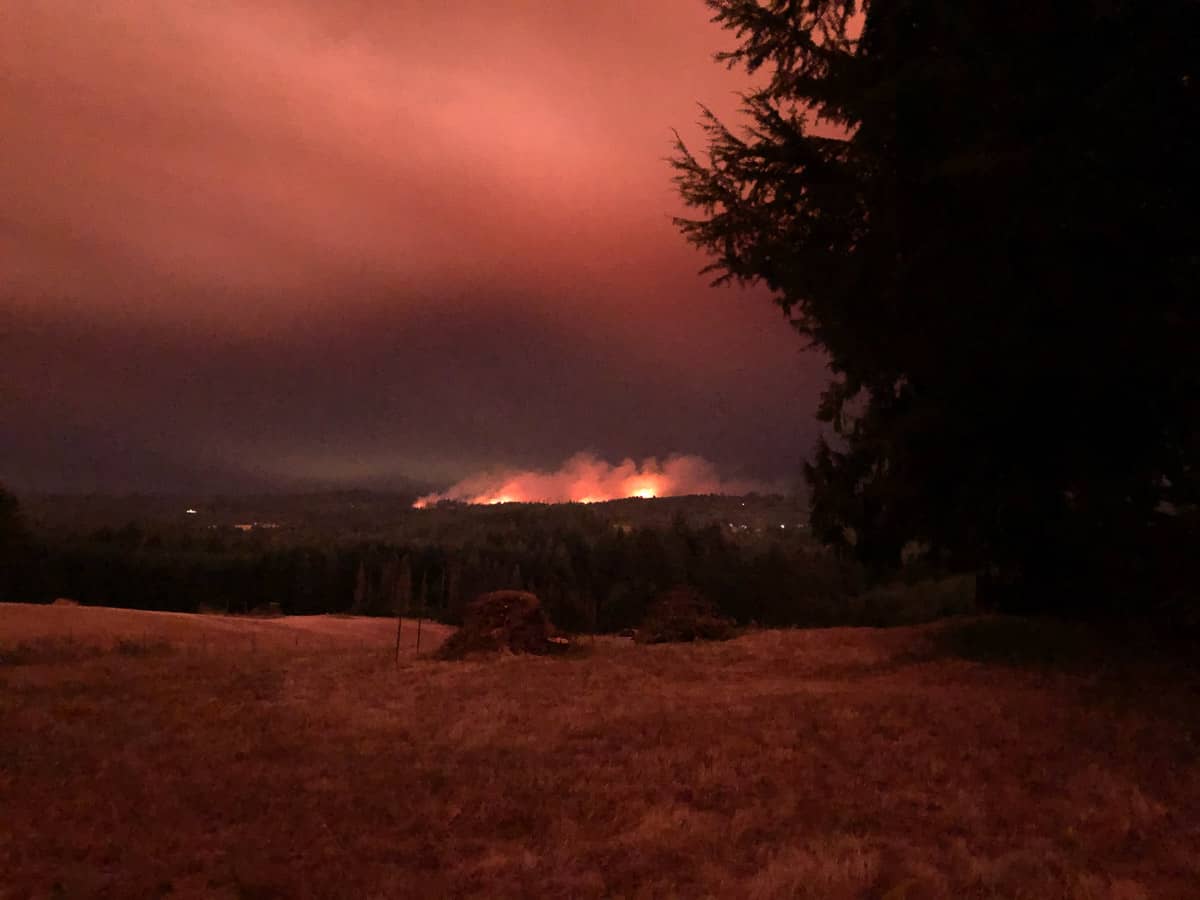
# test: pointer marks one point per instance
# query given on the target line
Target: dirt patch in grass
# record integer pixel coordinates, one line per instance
(830, 764)
(51, 650)
(46, 651)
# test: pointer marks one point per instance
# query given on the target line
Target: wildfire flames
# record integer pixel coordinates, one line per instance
(585, 479)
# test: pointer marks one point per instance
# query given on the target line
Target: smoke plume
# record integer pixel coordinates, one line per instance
(586, 479)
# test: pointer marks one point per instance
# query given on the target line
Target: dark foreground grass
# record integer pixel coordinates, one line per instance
(907, 763)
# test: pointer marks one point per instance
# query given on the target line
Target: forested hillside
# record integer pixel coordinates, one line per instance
(595, 567)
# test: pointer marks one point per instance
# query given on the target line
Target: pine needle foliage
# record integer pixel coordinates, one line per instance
(984, 215)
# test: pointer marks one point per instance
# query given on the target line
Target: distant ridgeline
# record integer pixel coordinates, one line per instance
(370, 515)
(595, 567)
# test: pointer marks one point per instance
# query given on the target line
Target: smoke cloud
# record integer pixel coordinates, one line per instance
(294, 245)
(584, 478)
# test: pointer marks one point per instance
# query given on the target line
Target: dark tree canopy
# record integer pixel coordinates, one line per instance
(12, 529)
(13, 540)
(985, 215)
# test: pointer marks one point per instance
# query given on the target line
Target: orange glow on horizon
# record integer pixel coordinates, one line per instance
(586, 479)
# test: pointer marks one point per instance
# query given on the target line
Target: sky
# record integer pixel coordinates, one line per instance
(296, 244)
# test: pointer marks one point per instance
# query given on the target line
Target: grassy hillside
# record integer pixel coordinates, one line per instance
(152, 754)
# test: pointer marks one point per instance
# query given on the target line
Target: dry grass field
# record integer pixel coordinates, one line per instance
(160, 755)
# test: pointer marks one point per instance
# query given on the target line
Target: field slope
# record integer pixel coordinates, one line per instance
(152, 754)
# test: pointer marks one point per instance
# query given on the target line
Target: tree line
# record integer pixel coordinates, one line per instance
(591, 575)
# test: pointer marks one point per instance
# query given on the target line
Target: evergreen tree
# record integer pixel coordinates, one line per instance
(14, 548)
(984, 215)
(12, 527)
(402, 591)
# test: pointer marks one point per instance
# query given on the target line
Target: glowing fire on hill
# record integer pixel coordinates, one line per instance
(585, 479)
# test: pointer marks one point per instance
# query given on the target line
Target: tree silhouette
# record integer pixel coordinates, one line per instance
(12, 528)
(985, 215)
(14, 539)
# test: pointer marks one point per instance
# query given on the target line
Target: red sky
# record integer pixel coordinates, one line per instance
(297, 243)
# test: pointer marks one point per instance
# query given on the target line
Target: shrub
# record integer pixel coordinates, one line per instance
(503, 620)
(683, 614)
(910, 604)
(142, 647)
(53, 650)
(1021, 642)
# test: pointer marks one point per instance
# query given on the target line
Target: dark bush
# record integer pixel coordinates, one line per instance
(900, 603)
(683, 614)
(47, 650)
(1027, 642)
(142, 647)
(503, 620)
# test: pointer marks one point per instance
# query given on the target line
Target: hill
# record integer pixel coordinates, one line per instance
(371, 515)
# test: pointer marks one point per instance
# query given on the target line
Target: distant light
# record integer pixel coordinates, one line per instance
(783, 526)
(645, 494)
(190, 512)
